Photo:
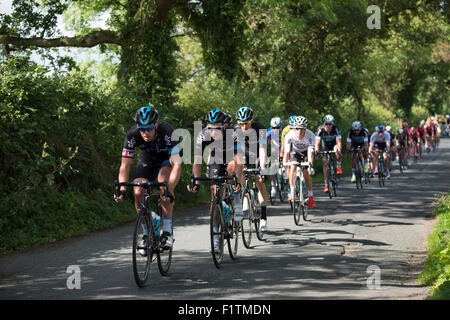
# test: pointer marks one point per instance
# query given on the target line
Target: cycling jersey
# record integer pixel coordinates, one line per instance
(391, 135)
(328, 139)
(270, 132)
(430, 129)
(251, 141)
(161, 147)
(222, 151)
(357, 139)
(380, 142)
(415, 135)
(293, 144)
(284, 133)
(402, 138)
(154, 154)
(421, 131)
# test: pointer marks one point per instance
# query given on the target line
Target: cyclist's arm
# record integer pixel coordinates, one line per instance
(124, 173)
(317, 143)
(339, 144)
(239, 169)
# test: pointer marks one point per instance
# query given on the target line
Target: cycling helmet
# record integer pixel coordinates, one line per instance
(244, 114)
(227, 118)
(405, 125)
(356, 125)
(146, 116)
(291, 120)
(380, 128)
(275, 122)
(400, 131)
(214, 116)
(328, 119)
(388, 128)
(300, 122)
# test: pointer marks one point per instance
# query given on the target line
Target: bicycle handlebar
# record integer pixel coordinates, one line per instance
(301, 164)
(216, 179)
(145, 185)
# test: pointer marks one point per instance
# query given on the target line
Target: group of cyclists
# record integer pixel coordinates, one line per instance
(233, 147)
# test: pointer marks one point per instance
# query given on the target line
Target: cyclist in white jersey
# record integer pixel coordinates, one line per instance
(299, 146)
(380, 141)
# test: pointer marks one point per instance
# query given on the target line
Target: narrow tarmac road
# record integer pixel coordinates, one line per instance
(346, 242)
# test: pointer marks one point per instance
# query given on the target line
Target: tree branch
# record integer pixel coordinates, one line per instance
(89, 40)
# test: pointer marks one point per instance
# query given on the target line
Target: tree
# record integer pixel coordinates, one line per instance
(142, 32)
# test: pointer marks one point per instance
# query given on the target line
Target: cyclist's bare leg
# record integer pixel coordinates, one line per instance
(262, 194)
(166, 205)
(308, 180)
(139, 193)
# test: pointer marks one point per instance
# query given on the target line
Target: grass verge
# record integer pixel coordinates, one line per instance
(436, 273)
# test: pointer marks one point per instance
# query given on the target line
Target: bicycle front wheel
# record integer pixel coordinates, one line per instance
(247, 221)
(142, 249)
(164, 255)
(217, 226)
(297, 204)
(233, 238)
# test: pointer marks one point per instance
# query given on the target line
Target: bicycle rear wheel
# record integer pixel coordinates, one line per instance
(217, 252)
(380, 172)
(359, 173)
(233, 238)
(143, 238)
(247, 221)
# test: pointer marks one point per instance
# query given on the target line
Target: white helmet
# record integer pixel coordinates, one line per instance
(356, 125)
(400, 131)
(388, 128)
(328, 119)
(275, 122)
(300, 122)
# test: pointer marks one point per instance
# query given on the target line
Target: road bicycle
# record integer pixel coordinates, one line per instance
(252, 216)
(299, 203)
(147, 245)
(401, 158)
(380, 167)
(359, 168)
(222, 217)
(332, 178)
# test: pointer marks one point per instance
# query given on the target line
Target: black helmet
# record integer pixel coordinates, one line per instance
(215, 116)
(146, 116)
(244, 114)
(227, 119)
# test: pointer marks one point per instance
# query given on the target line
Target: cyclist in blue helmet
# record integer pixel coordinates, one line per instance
(160, 159)
(223, 159)
(254, 145)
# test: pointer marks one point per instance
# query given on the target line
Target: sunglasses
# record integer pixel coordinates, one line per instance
(328, 124)
(215, 128)
(299, 129)
(242, 124)
(149, 128)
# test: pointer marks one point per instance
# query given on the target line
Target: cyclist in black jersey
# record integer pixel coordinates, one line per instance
(358, 137)
(224, 159)
(160, 159)
(331, 139)
(254, 143)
